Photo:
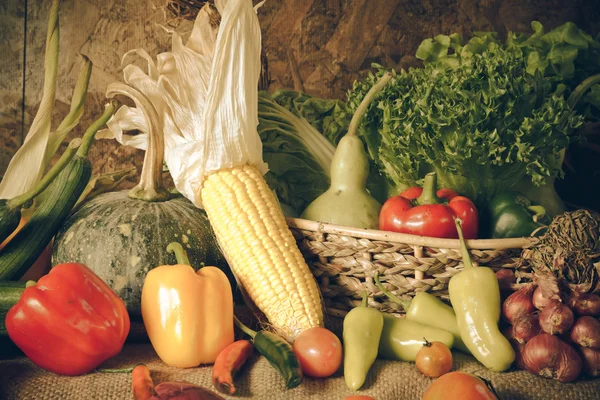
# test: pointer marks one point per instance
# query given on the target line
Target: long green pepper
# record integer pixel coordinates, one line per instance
(428, 310)
(475, 296)
(278, 352)
(361, 333)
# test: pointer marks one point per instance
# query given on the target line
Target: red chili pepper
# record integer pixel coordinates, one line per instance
(423, 212)
(228, 362)
(69, 322)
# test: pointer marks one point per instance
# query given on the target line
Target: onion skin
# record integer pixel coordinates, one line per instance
(526, 328)
(506, 277)
(538, 299)
(587, 304)
(591, 361)
(586, 332)
(556, 318)
(518, 304)
(517, 347)
(548, 356)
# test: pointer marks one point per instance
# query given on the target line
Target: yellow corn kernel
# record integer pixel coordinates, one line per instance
(261, 250)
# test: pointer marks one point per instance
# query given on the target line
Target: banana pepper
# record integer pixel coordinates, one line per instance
(475, 297)
(188, 315)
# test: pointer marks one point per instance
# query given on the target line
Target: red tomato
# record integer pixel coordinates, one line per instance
(434, 359)
(319, 352)
(458, 386)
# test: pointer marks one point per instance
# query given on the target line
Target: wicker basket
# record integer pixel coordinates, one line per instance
(344, 261)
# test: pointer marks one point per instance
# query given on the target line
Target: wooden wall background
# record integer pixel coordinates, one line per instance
(333, 41)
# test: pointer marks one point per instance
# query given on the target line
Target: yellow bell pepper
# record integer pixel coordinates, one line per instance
(188, 315)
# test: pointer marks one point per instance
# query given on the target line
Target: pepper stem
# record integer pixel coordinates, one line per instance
(66, 157)
(366, 102)
(426, 342)
(180, 254)
(429, 194)
(244, 328)
(117, 370)
(395, 299)
(365, 299)
(463, 245)
(538, 212)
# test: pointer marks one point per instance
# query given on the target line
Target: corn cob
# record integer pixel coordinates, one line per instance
(261, 250)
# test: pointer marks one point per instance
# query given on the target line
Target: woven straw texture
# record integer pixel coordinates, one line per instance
(19, 379)
(344, 261)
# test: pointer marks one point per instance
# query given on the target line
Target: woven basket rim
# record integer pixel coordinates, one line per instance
(412, 240)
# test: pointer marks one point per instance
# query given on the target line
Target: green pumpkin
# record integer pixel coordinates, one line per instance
(123, 235)
(121, 239)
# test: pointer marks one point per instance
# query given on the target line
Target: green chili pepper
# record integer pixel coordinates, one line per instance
(475, 297)
(401, 339)
(428, 310)
(511, 214)
(278, 352)
(361, 333)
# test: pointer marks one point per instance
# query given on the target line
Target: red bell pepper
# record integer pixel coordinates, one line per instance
(69, 322)
(425, 212)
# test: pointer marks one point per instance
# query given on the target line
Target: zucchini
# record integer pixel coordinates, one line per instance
(10, 210)
(10, 293)
(58, 200)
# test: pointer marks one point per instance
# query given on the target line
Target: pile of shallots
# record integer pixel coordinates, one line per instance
(554, 338)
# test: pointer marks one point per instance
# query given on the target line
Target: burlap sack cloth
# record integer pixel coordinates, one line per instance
(387, 380)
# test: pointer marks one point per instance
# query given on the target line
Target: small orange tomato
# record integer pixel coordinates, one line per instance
(458, 386)
(434, 359)
(357, 397)
(319, 352)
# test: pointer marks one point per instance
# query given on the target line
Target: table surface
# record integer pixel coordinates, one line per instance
(387, 380)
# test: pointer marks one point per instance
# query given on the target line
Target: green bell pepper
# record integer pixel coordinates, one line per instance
(475, 297)
(401, 339)
(511, 214)
(361, 333)
(428, 310)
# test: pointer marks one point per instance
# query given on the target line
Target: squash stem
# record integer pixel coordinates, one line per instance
(244, 328)
(66, 157)
(463, 245)
(395, 299)
(366, 102)
(150, 186)
(90, 133)
(538, 212)
(179, 252)
(429, 194)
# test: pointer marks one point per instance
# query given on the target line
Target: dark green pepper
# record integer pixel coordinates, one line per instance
(278, 353)
(510, 214)
(361, 334)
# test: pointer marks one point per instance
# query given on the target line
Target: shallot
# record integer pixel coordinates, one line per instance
(539, 301)
(526, 328)
(518, 304)
(556, 318)
(506, 277)
(587, 304)
(586, 332)
(548, 356)
(591, 361)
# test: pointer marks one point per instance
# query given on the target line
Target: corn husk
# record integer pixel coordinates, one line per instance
(205, 92)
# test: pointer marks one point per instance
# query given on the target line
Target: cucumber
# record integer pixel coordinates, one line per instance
(10, 293)
(58, 201)
(10, 210)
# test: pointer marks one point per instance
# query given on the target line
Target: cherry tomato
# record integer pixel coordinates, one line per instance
(434, 359)
(458, 386)
(357, 397)
(319, 352)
